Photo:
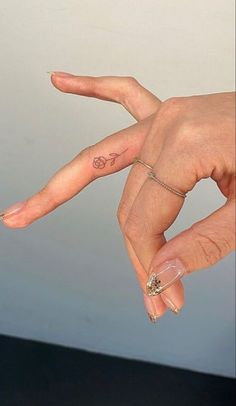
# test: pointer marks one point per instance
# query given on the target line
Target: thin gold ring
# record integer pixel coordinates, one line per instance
(153, 176)
(137, 159)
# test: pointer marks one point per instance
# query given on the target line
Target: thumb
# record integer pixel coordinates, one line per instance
(202, 245)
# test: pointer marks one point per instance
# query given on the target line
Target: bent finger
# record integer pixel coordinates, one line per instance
(127, 91)
(153, 211)
(136, 178)
(155, 306)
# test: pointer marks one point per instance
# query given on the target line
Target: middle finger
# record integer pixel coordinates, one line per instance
(149, 154)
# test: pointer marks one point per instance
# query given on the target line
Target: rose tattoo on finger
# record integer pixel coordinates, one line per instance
(99, 162)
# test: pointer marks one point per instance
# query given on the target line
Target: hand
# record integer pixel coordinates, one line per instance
(166, 131)
(106, 157)
(190, 138)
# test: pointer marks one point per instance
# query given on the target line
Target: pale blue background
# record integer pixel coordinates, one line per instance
(67, 278)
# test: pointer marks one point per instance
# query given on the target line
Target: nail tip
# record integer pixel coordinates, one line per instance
(164, 275)
(12, 210)
(153, 318)
(175, 311)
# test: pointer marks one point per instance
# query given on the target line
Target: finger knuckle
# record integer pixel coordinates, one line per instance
(172, 101)
(172, 106)
(179, 101)
(187, 130)
(211, 246)
(184, 132)
(129, 90)
(131, 81)
(122, 215)
(132, 227)
(181, 141)
(189, 142)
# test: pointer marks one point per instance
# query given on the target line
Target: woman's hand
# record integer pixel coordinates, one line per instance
(185, 139)
(190, 138)
(104, 158)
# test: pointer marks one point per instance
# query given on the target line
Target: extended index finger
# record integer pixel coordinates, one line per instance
(110, 155)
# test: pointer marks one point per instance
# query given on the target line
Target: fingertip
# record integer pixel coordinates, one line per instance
(15, 222)
(55, 80)
(155, 307)
(62, 81)
(174, 297)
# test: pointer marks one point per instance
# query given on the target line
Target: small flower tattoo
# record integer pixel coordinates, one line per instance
(99, 162)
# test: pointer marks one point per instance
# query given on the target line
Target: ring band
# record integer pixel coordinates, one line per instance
(137, 159)
(153, 176)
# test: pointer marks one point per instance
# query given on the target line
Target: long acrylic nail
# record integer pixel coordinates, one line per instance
(151, 308)
(14, 209)
(164, 275)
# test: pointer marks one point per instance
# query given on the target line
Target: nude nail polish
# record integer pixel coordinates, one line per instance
(170, 304)
(164, 275)
(151, 308)
(14, 209)
(153, 318)
(63, 74)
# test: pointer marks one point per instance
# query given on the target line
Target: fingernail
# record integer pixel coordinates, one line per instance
(153, 318)
(164, 275)
(151, 308)
(169, 302)
(14, 209)
(62, 74)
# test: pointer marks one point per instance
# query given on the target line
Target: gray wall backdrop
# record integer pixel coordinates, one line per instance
(67, 279)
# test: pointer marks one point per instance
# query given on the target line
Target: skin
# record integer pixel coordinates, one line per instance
(184, 139)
